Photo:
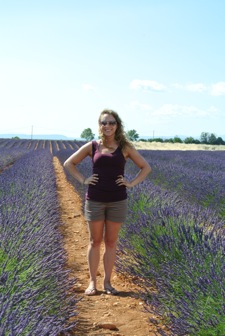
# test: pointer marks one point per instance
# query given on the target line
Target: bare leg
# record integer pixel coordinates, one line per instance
(111, 236)
(93, 253)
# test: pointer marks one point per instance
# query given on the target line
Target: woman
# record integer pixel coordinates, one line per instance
(106, 197)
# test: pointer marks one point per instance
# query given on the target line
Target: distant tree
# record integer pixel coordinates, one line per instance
(208, 138)
(155, 140)
(220, 141)
(169, 140)
(16, 138)
(132, 135)
(204, 138)
(176, 139)
(212, 139)
(189, 140)
(87, 134)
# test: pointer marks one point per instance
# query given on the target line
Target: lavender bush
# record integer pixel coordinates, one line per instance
(35, 296)
(199, 176)
(179, 248)
(32, 144)
(174, 237)
(9, 156)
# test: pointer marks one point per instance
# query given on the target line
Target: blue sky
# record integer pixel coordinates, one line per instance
(159, 64)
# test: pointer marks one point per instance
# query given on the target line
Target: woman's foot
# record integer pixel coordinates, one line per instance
(90, 291)
(108, 289)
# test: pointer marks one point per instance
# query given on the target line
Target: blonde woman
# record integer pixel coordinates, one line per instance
(106, 196)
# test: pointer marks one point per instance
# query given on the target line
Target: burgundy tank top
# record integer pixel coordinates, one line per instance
(108, 167)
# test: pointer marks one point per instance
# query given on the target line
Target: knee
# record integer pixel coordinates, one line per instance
(110, 243)
(95, 243)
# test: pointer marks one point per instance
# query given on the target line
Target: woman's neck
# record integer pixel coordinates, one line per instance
(109, 142)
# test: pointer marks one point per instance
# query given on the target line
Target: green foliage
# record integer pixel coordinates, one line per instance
(205, 138)
(155, 140)
(87, 134)
(170, 140)
(176, 139)
(220, 141)
(191, 140)
(132, 135)
(176, 246)
(211, 139)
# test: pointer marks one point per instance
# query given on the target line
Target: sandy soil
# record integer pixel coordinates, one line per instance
(102, 314)
(175, 146)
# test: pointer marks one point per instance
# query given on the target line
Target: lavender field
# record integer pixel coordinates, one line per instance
(172, 241)
(35, 296)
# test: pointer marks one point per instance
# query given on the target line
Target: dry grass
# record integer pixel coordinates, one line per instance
(176, 146)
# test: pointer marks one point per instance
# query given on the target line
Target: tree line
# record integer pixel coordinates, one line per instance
(205, 138)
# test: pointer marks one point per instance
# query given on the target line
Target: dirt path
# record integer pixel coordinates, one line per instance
(101, 315)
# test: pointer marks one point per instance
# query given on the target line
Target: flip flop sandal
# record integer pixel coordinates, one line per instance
(90, 291)
(110, 291)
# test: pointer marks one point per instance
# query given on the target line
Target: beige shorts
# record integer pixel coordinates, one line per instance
(112, 211)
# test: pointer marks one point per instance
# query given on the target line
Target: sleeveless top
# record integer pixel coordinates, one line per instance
(108, 167)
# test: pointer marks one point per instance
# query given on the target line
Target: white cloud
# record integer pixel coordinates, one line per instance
(196, 87)
(88, 87)
(218, 89)
(147, 85)
(177, 85)
(193, 87)
(213, 110)
(136, 105)
(174, 110)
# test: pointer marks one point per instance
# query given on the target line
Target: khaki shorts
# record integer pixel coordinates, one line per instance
(112, 211)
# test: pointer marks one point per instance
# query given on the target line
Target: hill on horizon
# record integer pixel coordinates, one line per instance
(38, 137)
(63, 137)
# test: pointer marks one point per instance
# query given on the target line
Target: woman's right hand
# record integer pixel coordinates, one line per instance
(93, 179)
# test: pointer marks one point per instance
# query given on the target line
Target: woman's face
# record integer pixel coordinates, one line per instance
(108, 124)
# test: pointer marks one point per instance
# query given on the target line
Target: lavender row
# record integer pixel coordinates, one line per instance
(31, 144)
(35, 297)
(178, 249)
(199, 176)
(9, 156)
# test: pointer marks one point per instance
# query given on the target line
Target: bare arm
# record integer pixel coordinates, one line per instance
(77, 157)
(141, 163)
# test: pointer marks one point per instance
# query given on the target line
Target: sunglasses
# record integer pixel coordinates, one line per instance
(111, 123)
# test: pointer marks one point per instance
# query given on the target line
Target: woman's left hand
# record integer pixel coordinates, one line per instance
(121, 181)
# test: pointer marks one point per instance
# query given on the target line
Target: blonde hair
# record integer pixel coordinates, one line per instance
(120, 135)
